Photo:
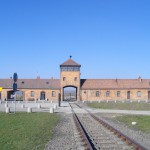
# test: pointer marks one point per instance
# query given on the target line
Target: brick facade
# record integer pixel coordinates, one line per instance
(86, 89)
(135, 94)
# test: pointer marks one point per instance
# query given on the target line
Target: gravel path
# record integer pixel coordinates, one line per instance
(139, 136)
(66, 136)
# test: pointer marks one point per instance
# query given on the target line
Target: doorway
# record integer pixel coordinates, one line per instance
(70, 93)
(128, 95)
(42, 95)
(148, 94)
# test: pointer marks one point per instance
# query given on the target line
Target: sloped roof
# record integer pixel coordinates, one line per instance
(115, 83)
(70, 62)
(90, 84)
(31, 83)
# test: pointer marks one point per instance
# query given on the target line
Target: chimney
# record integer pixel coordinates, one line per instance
(38, 77)
(140, 79)
(116, 80)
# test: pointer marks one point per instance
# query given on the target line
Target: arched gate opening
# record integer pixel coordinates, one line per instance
(70, 93)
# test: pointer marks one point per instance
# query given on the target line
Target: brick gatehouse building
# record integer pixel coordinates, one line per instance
(70, 86)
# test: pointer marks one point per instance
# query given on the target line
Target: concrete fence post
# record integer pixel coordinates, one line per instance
(22, 106)
(7, 110)
(55, 106)
(29, 109)
(6, 105)
(51, 110)
(39, 106)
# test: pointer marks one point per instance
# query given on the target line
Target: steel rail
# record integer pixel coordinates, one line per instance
(125, 138)
(89, 145)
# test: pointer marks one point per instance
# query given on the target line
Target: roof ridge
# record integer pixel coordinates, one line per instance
(70, 62)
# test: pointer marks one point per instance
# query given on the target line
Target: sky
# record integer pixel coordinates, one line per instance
(109, 38)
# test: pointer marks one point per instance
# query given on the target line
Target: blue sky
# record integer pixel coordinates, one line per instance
(109, 38)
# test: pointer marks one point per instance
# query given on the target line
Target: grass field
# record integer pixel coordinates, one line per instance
(22, 131)
(143, 122)
(120, 105)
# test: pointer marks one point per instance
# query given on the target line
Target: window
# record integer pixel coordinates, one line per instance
(107, 93)
(138, 93)
(53, 93)
(97, 94)
(64, 78)
(68, 68)
(32, 94)
(75, 79)
(118, 93)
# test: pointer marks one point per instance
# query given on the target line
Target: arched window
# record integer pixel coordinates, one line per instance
(42, 96)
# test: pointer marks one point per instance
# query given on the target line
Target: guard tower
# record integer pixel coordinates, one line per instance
(70, 77)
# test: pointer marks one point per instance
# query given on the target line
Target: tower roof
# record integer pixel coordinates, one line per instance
(70, 62)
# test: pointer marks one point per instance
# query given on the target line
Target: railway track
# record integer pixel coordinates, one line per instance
(99, 135)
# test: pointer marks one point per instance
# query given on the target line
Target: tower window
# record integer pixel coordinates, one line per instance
(75, 79)
(64, 78)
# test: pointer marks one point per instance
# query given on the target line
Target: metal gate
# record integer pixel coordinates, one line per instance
(72, 96)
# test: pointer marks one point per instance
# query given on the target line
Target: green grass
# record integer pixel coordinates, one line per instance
(22, 131)
(143, 122)
(120, 105)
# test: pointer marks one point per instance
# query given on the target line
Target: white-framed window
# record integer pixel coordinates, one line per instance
(97, 93)
(138, 93)
(32, 94)
(118, 93)
(53, 94)
(107, 93)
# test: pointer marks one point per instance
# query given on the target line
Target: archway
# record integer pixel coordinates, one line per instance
(69, 93)
(42, 95)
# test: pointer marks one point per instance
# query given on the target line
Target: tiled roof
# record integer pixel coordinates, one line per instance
(31, 83)
(115, 84)
(70, 62)
(85, 84)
